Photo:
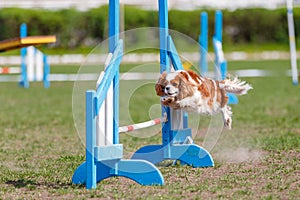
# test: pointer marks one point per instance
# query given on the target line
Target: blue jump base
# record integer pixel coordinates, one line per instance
(189, 154)
(140, 171)
(173, 148)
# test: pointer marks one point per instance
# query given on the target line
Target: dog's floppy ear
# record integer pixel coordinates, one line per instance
(194, 76)
(160, 86)
(185, 88)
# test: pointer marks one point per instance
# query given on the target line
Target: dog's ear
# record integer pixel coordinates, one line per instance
(185, 88)
(184, 75)
(191, 76)
(160, 85)
(159, 89)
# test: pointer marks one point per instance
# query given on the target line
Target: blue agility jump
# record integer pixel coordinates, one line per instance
(34, 64)
(106, 160)
(175, 131)
(104, 154)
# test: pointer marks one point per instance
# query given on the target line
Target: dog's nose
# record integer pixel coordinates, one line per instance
(168, 88)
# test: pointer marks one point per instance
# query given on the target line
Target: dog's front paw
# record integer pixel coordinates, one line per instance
(166, 101)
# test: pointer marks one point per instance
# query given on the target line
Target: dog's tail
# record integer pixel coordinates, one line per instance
(235, 86)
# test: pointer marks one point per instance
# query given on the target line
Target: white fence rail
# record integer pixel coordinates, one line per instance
(144, 58)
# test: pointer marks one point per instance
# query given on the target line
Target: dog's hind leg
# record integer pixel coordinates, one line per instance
(227, 113)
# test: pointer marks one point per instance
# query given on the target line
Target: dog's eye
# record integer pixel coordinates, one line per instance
(174, 84)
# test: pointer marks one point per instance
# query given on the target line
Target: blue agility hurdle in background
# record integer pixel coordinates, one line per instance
(39, 68)
(203, 41)
(24, 80)
(220, 68)
(176, 136)
(103, 161)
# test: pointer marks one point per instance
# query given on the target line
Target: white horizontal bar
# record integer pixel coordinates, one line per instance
(144, 76)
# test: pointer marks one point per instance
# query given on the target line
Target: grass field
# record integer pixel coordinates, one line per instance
(258, 159)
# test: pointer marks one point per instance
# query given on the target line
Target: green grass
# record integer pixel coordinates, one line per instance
(250, 48)
(258, 159)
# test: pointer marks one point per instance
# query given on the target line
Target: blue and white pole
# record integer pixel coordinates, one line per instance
(221, 63)
(24, 79)
(289, 4)
(203, 40)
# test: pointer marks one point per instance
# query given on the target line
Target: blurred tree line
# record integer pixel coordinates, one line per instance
(74, 28)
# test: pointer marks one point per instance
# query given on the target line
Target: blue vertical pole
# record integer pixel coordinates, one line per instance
(220, 65)
(91, 176)
(114, 28)
(203, 40)
(218, 25)
(114, 24)
(223, 69)
(164, 62)
(163, 35)
(24, 79)
(218, 38)
(46, 71)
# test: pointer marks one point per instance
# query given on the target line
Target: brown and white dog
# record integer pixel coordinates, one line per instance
(190, 92)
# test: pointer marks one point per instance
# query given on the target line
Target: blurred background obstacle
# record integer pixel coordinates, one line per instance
(34, 63)
(20, 42)
(220, 65)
